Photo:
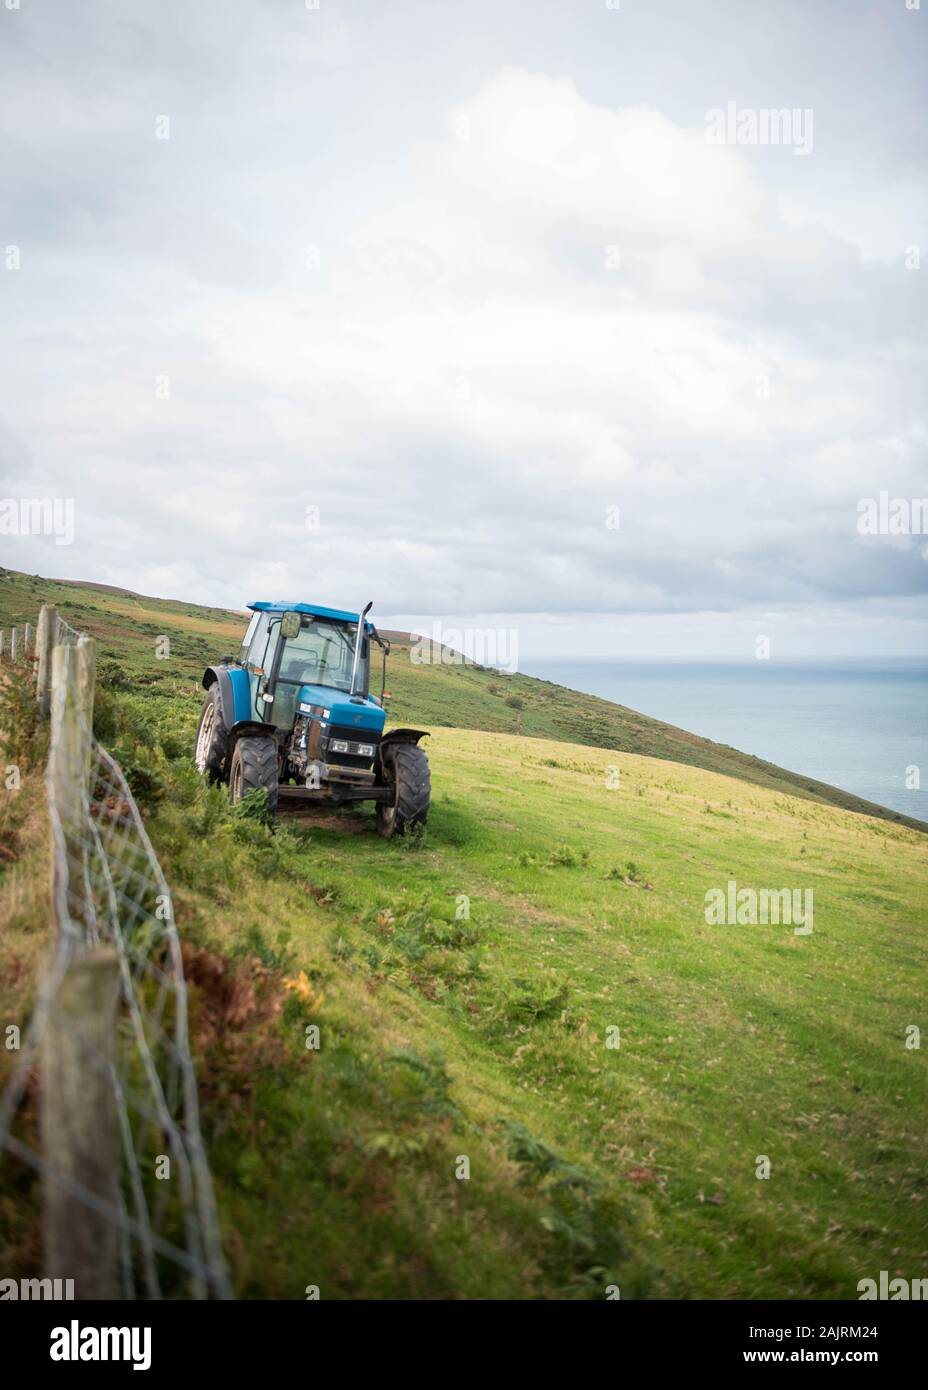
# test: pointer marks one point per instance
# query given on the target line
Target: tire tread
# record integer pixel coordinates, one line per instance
(258, 757)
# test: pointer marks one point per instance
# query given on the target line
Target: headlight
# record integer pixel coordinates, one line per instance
(338, 745)
(365, 750)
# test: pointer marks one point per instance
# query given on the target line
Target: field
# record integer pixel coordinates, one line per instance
(468, 1127)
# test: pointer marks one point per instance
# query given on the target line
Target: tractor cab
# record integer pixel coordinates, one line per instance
(300, 687)
(295, 655)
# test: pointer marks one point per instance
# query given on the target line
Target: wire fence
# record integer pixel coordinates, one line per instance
(127, 1200)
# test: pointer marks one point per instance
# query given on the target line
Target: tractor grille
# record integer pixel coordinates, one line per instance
(353, 737)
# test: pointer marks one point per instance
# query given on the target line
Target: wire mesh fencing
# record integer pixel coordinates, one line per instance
(127, 1201)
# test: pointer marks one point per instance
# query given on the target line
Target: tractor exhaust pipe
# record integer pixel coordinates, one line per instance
(357, 651)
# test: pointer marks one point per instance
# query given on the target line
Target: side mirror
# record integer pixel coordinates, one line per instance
(290, 625)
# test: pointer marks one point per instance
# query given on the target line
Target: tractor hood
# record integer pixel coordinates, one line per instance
(334, 707)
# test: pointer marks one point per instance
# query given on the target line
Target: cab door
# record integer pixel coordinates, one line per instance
(258, 663)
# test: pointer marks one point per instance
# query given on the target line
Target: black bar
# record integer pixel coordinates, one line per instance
(654, 1337)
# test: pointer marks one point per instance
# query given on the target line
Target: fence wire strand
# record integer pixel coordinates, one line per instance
(108, 889)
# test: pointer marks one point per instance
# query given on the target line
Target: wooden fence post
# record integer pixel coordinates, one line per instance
(45, 644)
(14, 645)
(86, 676)
(28, 641)
(79, 1127)
(2, 640)
(67, 753)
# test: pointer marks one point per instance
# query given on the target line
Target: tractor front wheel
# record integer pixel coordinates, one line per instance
(406, 773)
(254, 767)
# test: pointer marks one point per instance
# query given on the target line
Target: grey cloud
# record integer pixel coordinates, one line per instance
(462, 387)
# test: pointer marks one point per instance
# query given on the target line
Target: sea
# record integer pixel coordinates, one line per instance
(858, 723)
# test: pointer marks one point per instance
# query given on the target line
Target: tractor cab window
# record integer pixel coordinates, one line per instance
(322, 654)
(249, 633)
(256, 637)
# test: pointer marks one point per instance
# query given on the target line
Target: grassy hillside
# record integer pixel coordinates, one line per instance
(463, 696)
(483, 1036)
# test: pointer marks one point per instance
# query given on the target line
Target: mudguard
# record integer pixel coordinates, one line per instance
(234, 694)
(396, 736)
(403, 736)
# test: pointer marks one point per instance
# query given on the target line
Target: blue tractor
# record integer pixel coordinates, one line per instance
(292, 714)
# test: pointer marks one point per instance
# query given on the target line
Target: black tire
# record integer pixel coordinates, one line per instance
(211, 746)
(406, 770)
(254, 766)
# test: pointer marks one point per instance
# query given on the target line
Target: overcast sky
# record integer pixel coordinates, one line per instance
(465, 277)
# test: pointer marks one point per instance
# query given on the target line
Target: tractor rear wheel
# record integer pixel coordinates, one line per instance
(254, 767)
(406, 772)
(211, 745)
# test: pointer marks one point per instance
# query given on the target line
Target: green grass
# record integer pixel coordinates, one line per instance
(485, 1036)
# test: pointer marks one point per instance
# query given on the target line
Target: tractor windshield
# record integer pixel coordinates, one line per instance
(322, 654)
